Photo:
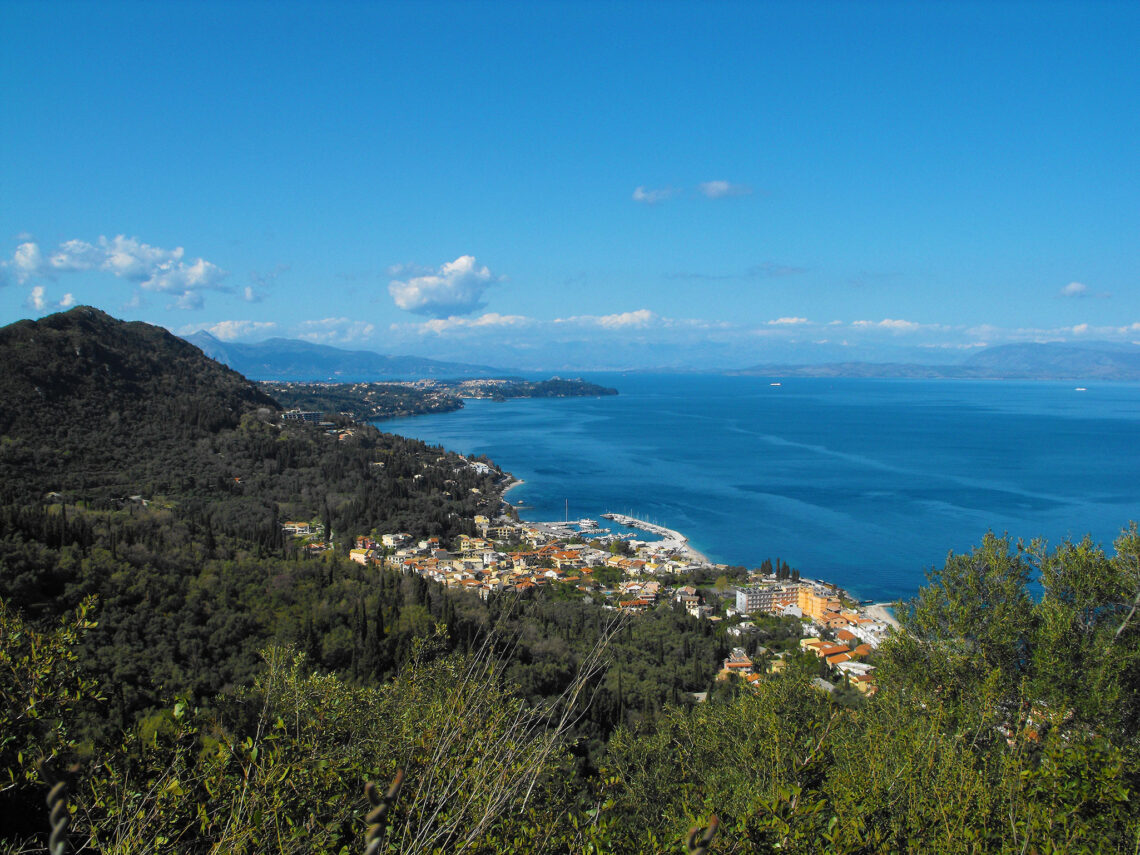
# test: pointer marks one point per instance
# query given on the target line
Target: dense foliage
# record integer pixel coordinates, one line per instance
(374, 401)
(556, 387)
(987, 746)
(158, 480)
(364, 401)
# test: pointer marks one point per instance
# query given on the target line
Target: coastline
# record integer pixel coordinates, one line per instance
(883, 612)
(673, 546)
(670, 538)
(721, 496)
(673, 541)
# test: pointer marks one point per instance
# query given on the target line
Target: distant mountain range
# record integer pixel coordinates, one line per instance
(1053, 361)
(290, 359)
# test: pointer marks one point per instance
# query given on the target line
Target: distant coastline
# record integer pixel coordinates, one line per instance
(1046, 362)
(291, 360)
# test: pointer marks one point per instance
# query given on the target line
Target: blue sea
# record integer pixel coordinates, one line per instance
(865, 483)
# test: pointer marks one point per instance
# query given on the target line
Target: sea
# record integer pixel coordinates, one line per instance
(868, 484)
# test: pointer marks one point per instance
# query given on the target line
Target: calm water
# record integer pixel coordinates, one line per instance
(865, 483)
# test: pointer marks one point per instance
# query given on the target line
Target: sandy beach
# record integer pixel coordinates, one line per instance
(882, 611)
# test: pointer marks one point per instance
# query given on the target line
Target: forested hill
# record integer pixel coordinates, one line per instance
(83, 366)
(98, 410)
(95, 402)
(135, 469)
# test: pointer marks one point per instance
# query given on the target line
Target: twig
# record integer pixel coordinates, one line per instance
(701, 838)
(60, 817)
(380, 806)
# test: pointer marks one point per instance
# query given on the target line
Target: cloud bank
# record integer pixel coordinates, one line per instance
(491, 320)
(893, 325)
(622, 320)
(151, 268)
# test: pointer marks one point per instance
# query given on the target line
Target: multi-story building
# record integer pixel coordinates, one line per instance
(766, 598)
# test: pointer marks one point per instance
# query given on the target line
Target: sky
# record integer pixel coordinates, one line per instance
(579, 184)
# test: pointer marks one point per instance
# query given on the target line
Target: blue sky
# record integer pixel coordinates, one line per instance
(549, 185)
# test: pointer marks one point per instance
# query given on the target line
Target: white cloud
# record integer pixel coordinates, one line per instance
(891, 324)
(787, 321)
(439, 326)
(232, 330)
(177, 278)
(1075, 289)
(39, 301)
(75, 255)
(26, 262)
(455, 289)
(151, 268)
(1042, 335)
(132, 259)
(622, 320)
(652, 197)
(984, 331)
(640, 318)
(335, 330)
(723, 189)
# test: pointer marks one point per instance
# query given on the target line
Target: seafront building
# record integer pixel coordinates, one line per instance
(508, 555)
(815, 601)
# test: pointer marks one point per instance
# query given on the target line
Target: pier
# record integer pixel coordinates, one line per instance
(670, 539)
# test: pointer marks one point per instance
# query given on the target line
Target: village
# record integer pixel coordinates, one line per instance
(629, 575)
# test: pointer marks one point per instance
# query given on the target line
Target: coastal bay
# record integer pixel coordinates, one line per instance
(865, 483)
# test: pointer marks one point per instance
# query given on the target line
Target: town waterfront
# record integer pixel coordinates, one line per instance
(864, 483)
